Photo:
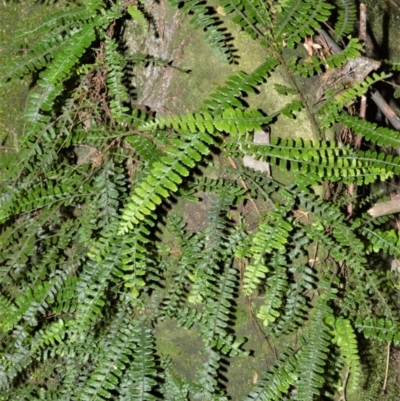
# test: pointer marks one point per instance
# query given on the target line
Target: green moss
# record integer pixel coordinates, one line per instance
(181, 345)
(13, 18)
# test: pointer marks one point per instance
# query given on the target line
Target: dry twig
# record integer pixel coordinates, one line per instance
(387, 367)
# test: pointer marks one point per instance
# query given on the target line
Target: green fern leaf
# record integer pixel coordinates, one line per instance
(271, 235)
(232, 121)
(300, 18)
(371, 131)
(386, 241)
(165, 176)
(140, 379)
(236, 85)
(116, 351)
(277, 381)
(313, 355)
(204, 17)
(347, 342)
(138, 15)
(253, 17)
(276, 286)
(296, 309)
(380, 328)
(347, 15)
(116, 90)
(336, 102)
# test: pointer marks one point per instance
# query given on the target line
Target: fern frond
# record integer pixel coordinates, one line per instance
(93, 282)
(203, 17)
(135, 261)
(231, 121)
(62, 20)
(216, 247)
(335, 103)
(237, 85)
(37, 294)
(217, 315)
(276, 382)
(275, 286)
(313, 355)
(298, 19)
(58, 70)
(61, 66)
(296, 309)
(117, 349)
(116, 90)
(145, 148)
(383, 241)
(347, 15)
(253, 17)
(190, 248)
(42, 98)
(352, 50)
(165, 176)
(347, 342)
(322, 159)
(271, 235)
(138, 15)
(140, 379)
(393, 64)
(54, 333)
(378, 293)
(206, 385)
(173, 388)
(380, 328)
(371, 131)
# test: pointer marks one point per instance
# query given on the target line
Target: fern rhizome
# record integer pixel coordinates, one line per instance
(97, 262)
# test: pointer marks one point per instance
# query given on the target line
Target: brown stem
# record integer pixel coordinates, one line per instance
(384, 208)
(386, 109)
